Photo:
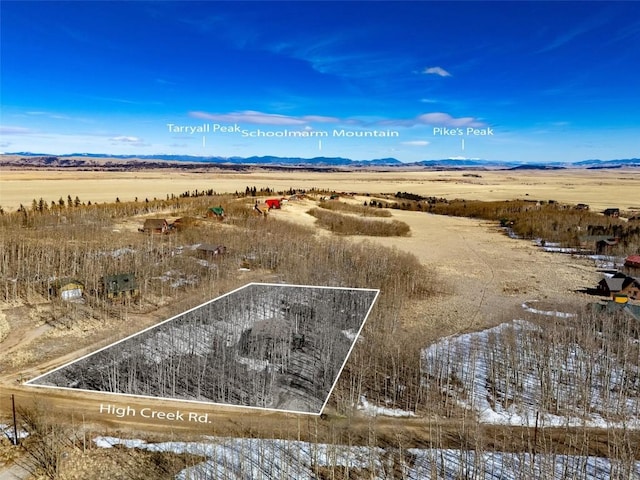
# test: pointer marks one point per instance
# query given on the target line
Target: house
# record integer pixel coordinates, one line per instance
(216, 212)
(612, 212)
(620, 285)
(68, 289)
(208, 250)
(598, 243)
(155, 225)
(632, 263)
(273, 203)
(122, 285)
(604, 246)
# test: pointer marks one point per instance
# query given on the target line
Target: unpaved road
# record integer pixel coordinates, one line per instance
(485, 278)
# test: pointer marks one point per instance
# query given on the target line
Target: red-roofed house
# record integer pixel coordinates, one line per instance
(632, 262)
(273, 203)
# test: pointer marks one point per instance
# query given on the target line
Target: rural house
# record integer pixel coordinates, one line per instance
(208, 250)
(598, 243)
(123, 285)
(620, 285)
(216, 212)
(68, 289)
(272, 203)
(155, 225)
(632, 264)
(612, 212)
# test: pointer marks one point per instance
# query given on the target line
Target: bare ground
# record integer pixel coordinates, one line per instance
(483, 278)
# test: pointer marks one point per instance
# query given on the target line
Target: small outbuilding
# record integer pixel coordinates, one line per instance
(155, 225)
(273, 203)
(122, 285)
(216, 212)
(68, 289)
(209, 250)
(632, 262)
(612, 212)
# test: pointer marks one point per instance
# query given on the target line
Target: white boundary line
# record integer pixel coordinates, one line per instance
(98, 392)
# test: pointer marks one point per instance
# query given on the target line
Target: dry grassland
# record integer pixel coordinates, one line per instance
(598, 188)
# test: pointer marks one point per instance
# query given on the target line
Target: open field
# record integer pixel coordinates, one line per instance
(477, 278)
(598, 188)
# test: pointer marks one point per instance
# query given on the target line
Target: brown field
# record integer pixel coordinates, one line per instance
(598, 188)
(483, 277)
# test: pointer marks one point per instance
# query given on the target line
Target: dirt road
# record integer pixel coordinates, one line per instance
(485, 278)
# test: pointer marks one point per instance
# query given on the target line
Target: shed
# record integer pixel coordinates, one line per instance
(595, 242)
(208, 250)
(216, 212)
(155, 225)
(632, 262)
(273, 203)
(121, 285)
(68, 289)
(612, 212)
(605, 245)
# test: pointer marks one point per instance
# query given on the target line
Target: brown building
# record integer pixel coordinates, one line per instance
(155, 225)
(612, 212)
(208, 250)
(620, 285)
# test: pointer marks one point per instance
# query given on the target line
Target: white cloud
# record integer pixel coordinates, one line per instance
(125, 139)
(14, 131)
(436, 71)
(416, 143)
(446, 120)
(428, 100)
(438, 119)
(261, 118)
(128, 140)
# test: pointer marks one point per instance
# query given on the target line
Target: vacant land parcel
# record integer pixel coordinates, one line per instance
(269, 346)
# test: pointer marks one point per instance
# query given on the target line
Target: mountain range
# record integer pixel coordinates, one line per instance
(346, 162)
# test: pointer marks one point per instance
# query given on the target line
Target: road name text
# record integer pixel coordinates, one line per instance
(146, 412)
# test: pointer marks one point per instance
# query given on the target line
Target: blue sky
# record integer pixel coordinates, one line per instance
(526, 81)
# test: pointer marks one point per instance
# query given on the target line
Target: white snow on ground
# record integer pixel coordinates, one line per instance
(268, 459)
(374, 411)
(118, 252)
(7, 432)
(561, 249)
(607, 261)
(549, 313)
(505, 378)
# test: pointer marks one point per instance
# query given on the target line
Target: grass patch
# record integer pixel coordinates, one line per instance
(364, 211)
(352, 225)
